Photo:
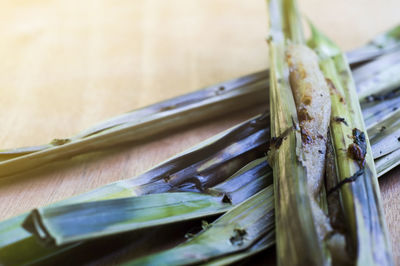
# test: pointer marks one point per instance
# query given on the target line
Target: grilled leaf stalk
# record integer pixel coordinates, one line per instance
(292, 201)
(367, 241)
(320, 240)
(101, 218)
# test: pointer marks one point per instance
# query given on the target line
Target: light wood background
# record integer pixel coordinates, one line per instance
(67, 64)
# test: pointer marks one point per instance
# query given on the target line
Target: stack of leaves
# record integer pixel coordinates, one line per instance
(319, 221)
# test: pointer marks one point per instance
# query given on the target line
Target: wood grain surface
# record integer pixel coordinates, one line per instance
(67, 64)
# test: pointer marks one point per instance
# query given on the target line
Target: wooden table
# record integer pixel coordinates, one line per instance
(68, 64)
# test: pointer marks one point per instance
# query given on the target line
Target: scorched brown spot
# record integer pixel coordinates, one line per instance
(306, 100)
(304, 115)
(331, 86)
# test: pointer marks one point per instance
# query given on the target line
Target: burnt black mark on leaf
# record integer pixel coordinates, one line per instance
(346, 180)
(358, 149)
(383, 97)
(227, 198)
(340, 120)
(276, 142)
(193, 182)
(237, 239)
(167, 178)
(168, 108)
(220, 90)
(356, 153)
(382, 129)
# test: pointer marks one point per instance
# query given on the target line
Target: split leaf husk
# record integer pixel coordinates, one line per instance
(368, 240)
(294, 219)
(306, 234)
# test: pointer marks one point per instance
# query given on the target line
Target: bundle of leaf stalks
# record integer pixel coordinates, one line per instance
(327, 200)
(214, 203)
